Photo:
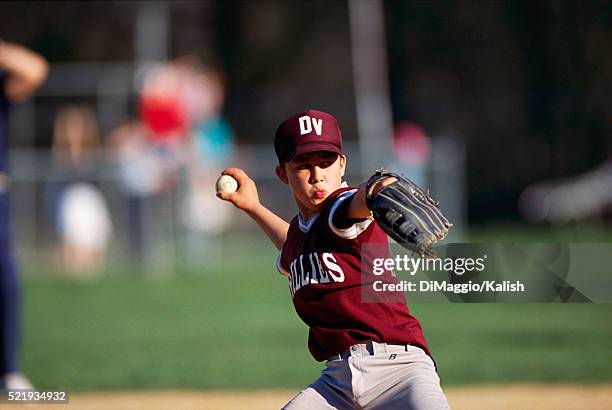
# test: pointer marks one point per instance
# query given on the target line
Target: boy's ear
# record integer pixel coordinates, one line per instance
(342, 163)
(281, 173)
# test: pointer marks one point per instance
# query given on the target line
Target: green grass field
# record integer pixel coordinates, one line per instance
(235, 327)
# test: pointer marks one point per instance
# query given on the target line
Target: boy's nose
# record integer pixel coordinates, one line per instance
(316, 175)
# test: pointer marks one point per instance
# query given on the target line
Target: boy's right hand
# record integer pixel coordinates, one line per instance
(246, 197)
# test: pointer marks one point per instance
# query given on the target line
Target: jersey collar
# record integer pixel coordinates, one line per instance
(306, 224)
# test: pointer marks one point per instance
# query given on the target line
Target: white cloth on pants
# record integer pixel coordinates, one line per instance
(375, 376)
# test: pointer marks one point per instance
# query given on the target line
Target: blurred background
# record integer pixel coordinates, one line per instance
(136, 276)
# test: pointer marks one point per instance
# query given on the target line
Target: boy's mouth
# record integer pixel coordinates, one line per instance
(320, 193)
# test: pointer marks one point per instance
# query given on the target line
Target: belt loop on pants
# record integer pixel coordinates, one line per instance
(368, 348)
(378, 347)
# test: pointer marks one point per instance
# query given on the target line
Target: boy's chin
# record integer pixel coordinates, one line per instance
(315, 204)
(318, 202)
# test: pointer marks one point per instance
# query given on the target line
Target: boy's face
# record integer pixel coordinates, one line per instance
(312, 178)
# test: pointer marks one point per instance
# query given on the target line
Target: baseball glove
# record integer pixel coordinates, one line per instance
(406, 213)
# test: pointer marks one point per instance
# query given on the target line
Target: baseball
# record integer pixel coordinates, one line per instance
(226, 183)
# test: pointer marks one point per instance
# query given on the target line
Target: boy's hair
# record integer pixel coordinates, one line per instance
(307, 131)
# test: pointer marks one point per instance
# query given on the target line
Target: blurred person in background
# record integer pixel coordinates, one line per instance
(77, 208)
(559, 202)
(140, 173)
(163, 114)
(181, 110)
(412, 151)
(212, 149)
(22, 72)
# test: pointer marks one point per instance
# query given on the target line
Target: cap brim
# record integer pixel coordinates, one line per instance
(314, 147)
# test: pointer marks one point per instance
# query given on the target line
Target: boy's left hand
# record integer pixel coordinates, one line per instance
(406, 212)
(358, 208)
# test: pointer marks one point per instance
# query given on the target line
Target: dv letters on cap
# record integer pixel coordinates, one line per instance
(307, 124)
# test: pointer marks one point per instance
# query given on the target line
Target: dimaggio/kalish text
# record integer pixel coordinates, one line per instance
(447, 286)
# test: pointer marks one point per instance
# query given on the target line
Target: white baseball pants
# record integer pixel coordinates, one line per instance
(375, 376)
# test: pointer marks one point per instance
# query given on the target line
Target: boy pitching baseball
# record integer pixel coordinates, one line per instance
(375, 354)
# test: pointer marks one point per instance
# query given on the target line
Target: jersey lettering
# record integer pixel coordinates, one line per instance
(307, 270)
(304, 275)
(330, 262)
(293, 276)
(314, 276)
(323, 274)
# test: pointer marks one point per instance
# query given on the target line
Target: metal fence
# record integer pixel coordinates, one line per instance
(150, 234)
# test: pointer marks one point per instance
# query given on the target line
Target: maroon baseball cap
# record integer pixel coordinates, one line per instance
(307, 131)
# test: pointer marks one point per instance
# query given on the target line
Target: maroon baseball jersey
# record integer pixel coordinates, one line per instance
(322, 258)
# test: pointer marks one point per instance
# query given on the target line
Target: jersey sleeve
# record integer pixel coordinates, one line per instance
(282, 265)
(340, 224)
(279, 265)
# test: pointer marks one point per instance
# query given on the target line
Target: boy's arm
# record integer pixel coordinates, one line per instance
(27, 70)
(273, 225)
(358, 209)
(246, 199)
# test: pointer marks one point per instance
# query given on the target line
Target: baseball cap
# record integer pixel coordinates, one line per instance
(307, 131)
